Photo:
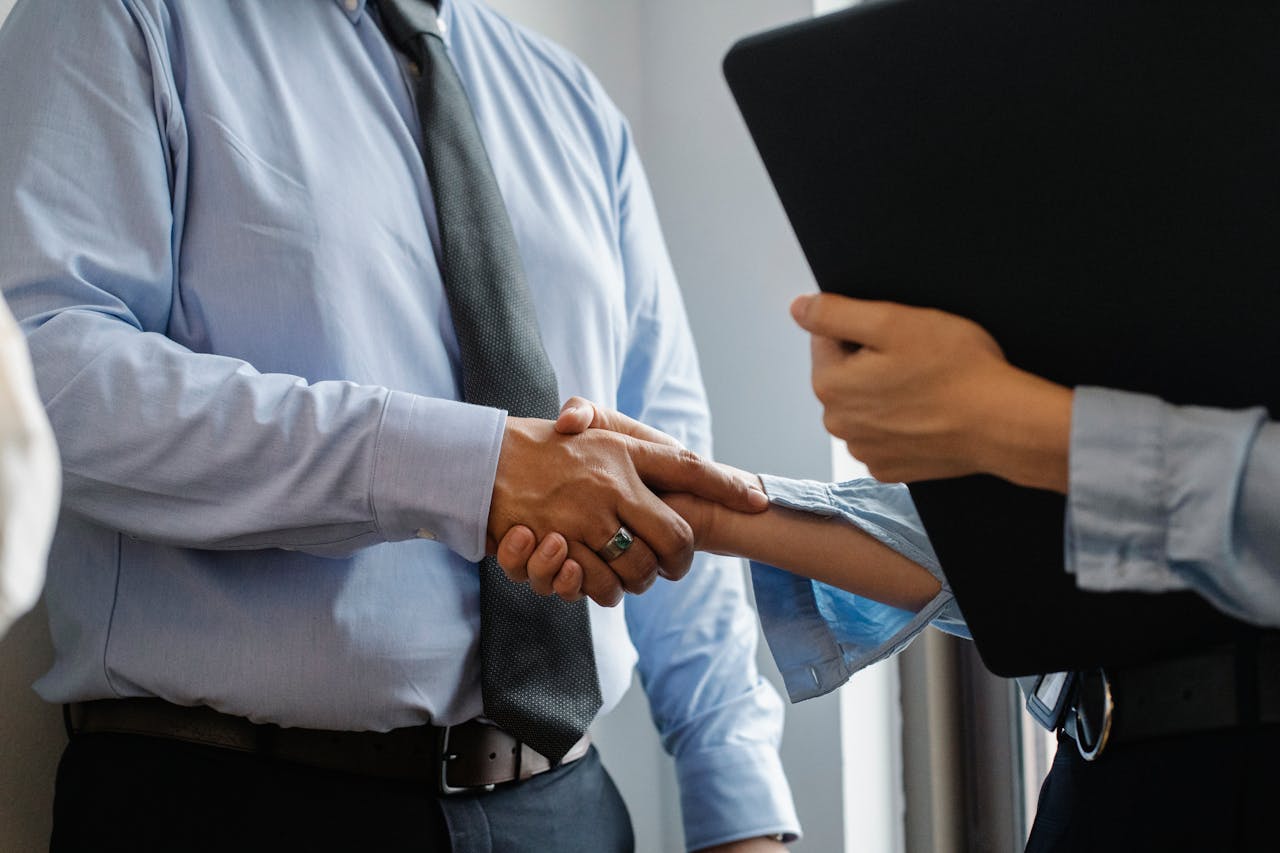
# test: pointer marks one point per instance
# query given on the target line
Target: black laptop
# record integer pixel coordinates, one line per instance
(1096, 182)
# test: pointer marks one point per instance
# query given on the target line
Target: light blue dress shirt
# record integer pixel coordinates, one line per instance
(1161, 498)
(219, 239)
(1166, 498)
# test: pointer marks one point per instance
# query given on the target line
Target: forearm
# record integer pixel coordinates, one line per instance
(829, 550)
(203, 451)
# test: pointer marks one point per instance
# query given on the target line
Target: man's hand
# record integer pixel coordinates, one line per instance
(575, 491)
(919, 394)
(547, 564)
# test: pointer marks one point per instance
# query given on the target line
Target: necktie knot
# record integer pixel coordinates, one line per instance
(407, 21)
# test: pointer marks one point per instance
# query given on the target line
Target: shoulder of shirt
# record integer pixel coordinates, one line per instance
(559, 64)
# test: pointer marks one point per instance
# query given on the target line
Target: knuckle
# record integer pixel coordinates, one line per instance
(646, 572)
(542, 571)
(671, 538)
(687, 458)
(681, 534)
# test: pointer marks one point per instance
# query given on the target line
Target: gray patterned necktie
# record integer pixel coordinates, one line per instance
(538, 672)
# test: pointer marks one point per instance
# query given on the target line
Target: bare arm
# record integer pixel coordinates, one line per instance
(825, 549)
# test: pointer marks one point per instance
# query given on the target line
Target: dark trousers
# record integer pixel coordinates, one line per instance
(1206, 793)
(122, 792)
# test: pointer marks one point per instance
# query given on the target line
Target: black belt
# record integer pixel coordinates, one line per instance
(456, 759)
(1236, 686)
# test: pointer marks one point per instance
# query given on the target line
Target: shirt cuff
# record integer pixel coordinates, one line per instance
(734, 792)
(433, 474)
(820, 635)
(1116, 525)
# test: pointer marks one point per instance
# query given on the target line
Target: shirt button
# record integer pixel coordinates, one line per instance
(352, 5)
(442, 26)
(424, 533)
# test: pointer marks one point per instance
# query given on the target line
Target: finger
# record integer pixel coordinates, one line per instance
(545, 562)
(568, 582)
(618, 422)
(580, 414)
(514, 551)
(664, 533)
(827, 352)
(862, 321)
(599, 583)
(675, 469)
(636, 567)
(576, 416)
(836, 373)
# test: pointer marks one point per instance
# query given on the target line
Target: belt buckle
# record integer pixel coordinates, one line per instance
(443, 757)
(1091, 743)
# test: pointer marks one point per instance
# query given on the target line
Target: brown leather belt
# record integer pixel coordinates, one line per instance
(466, 758)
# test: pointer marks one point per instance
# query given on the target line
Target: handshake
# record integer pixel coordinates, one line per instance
(597, 504)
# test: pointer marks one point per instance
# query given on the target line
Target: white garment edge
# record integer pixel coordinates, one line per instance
(30, 478)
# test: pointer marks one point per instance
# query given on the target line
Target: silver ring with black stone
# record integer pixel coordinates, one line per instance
(617, 546)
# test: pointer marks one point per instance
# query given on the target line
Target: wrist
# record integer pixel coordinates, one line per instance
(1025, 433)
(710, 531)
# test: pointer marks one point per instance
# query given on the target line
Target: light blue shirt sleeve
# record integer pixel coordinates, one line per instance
(214, 454)
(821, 635)
(1169, 497)
(696, 639)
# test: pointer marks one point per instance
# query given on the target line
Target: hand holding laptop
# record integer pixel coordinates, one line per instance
(926, 395)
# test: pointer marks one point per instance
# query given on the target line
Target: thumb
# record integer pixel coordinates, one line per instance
(577, 415)
(859, 321)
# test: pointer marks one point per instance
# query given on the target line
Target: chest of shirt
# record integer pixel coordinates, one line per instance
(305, 234)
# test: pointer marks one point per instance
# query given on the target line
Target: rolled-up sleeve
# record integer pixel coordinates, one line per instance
(821, 635)
(1169, 498)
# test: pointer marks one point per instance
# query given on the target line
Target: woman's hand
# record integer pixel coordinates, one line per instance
(919, 394)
